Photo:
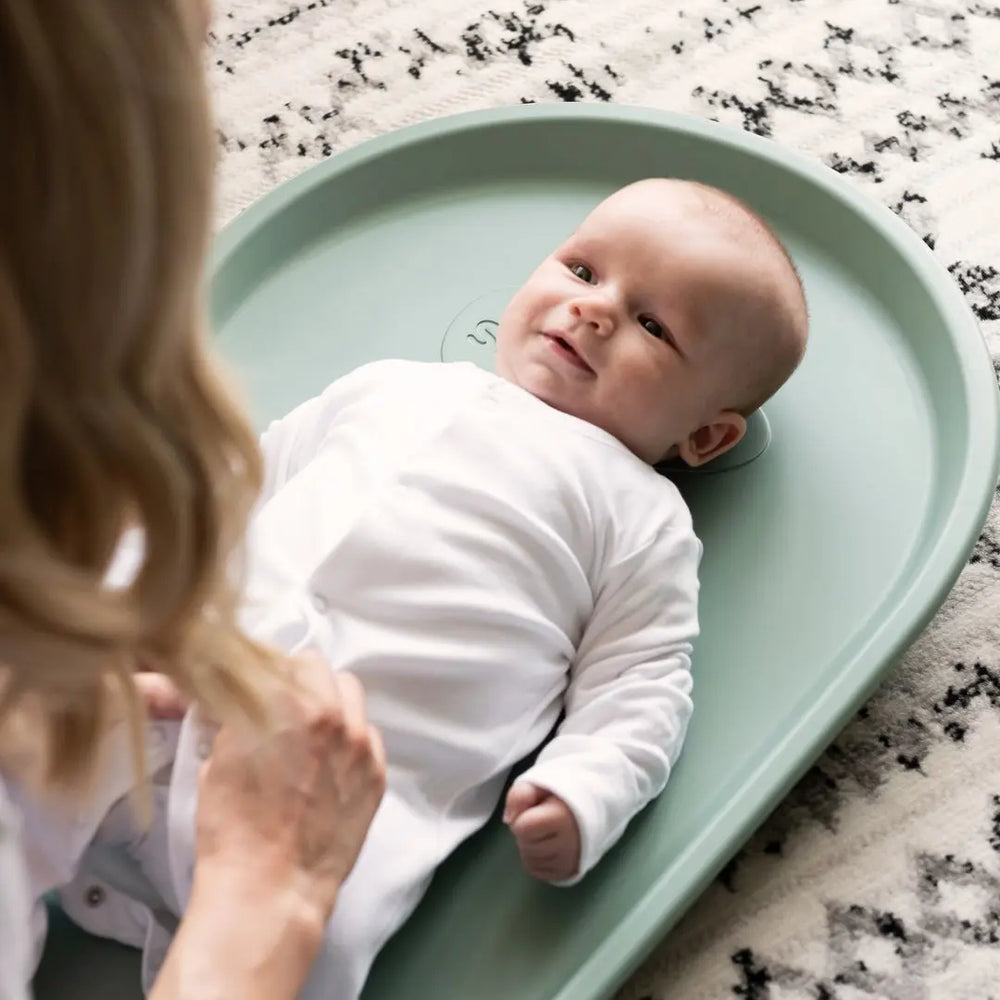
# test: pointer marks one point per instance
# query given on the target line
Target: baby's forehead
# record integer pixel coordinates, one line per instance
(664, 247)
(660, 213)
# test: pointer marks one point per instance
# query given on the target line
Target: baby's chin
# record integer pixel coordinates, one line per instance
(573, 406)
(558, 397)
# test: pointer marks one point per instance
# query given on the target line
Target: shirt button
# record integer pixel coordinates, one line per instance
(204, 747)
(321, 604)
(94, 896)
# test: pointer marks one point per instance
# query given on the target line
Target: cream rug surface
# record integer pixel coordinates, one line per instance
(879, 877)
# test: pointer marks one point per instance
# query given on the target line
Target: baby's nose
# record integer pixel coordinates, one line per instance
(596, 311)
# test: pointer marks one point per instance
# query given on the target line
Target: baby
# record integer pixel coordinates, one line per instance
(488, 552)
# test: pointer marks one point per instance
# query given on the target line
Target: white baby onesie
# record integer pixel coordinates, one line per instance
(481, 561)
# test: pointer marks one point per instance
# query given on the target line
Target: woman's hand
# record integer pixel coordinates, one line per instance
(281, 819)
(294, 806)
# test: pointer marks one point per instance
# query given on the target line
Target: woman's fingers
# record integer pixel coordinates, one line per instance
(295, 803)
(377, 748)
(162, 699)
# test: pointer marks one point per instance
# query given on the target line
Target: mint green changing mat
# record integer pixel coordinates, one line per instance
(824, 557)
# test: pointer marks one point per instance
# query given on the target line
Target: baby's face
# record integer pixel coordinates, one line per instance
(622, 326)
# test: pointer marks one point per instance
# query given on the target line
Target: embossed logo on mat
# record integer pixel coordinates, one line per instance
(472, 334)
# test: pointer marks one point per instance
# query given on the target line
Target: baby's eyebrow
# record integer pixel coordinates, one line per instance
(582, 244)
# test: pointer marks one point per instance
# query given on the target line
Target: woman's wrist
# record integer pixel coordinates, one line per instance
(285, 889)
(242, 935)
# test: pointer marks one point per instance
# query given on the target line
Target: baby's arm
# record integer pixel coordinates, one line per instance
(627, 710)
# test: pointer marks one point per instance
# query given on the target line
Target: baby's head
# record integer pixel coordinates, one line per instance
(668, 317)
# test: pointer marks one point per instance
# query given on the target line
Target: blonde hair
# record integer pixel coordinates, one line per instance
(112, 410)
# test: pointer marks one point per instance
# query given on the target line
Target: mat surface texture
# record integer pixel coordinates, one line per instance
(879, 876)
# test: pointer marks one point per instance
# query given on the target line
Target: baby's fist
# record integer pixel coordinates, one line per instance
(545, 830)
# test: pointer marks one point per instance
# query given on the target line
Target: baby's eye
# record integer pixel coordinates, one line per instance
(651, 326)
(583, 272)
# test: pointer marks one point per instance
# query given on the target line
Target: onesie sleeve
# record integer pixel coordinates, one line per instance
(629, 697)
(291, 441)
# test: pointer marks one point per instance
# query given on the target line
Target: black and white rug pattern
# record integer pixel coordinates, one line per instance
(879, 877)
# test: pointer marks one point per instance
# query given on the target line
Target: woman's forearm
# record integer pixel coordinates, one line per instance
(240, 940)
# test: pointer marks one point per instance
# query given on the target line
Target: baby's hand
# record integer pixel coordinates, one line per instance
(546, 832)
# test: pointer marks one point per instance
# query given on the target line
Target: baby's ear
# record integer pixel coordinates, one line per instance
(714, 439)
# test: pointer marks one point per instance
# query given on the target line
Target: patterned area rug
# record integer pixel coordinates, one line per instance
(879, 877)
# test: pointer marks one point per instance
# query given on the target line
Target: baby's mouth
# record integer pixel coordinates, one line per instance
(567, 351)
